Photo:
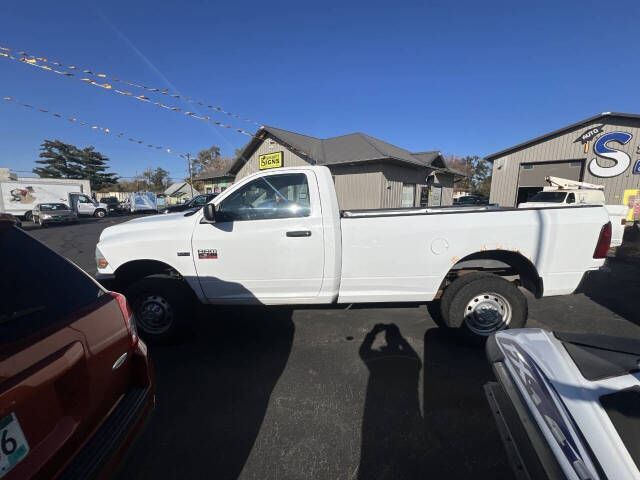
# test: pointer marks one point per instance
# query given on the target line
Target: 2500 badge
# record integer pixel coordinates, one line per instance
(207, 254)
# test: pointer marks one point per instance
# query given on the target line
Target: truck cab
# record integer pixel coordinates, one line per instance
(85, 205)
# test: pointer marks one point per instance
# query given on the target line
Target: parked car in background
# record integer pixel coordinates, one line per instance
(48, 213)
(567, 405)
(567, 192)
(113, 205)
(196, 202)
(76, 384)
(471, 200)
(279, 237)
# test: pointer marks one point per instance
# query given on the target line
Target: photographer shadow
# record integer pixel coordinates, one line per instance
(392, 435)
(456, 437)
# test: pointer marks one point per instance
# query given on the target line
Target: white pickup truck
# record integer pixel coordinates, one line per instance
(279, 238)
(562, 192)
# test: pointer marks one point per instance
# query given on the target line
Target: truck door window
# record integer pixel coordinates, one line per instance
(83, 199)
(273, 196)
(571, 198)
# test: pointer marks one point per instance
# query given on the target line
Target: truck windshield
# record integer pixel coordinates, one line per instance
(552, 197)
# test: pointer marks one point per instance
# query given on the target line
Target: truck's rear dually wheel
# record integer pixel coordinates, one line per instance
(479, 304)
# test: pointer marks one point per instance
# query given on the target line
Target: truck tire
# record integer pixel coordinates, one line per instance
(453, 289)
(28, 216)
(484, 305)
(100, 213)
(160, 304)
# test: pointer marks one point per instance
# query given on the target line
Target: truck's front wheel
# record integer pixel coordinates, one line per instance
(160, 304)
(484, 304)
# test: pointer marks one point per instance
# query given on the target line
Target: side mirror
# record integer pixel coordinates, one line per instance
(209, 212)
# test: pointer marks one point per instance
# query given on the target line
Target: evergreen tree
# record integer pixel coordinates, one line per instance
(62, 160)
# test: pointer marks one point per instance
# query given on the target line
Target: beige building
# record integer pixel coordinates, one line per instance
(603, 150)
(368, 172)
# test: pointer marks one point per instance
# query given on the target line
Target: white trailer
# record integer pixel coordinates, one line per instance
(19, 197)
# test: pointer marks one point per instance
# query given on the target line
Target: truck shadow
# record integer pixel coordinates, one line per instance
(454, 437)
(616, 289)
(212, 393)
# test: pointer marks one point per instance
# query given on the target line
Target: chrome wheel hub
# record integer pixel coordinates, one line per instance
(487, 313)
(154, 314)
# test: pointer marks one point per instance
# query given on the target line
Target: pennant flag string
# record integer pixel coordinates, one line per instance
(260, 135)
(84, 74)
(100, 128)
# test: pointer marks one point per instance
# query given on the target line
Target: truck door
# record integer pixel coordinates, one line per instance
(267, 243)
(84, 204)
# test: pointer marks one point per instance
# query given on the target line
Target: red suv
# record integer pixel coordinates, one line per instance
(76, 384)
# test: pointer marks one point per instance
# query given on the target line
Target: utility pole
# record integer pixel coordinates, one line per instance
(136, 180)
(190, 173)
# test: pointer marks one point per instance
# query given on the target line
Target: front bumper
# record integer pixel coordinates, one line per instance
(60, 220)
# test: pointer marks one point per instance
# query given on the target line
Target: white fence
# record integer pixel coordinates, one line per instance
(121, 196)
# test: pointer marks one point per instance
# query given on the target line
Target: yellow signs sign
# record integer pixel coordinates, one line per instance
(271, 160)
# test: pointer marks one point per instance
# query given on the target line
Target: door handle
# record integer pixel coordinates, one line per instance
(299, 233)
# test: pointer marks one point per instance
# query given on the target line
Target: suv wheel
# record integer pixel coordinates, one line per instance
(100, 213)
(160, 304)
(483, 304)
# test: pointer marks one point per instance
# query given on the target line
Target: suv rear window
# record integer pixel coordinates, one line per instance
(38, 286)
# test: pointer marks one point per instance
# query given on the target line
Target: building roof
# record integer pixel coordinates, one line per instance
(180, 188)
(215, 173)
(566, 129)
(345, 149)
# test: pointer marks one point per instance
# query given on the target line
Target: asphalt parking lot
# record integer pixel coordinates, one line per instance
(275, 393)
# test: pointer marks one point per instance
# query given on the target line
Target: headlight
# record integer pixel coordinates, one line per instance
(45, 216)
(101, 262)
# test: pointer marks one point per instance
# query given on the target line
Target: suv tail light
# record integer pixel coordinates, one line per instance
(604, 242)
(127, 313)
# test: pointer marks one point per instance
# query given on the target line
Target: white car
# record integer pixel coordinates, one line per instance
(567, 405)
(278, 237)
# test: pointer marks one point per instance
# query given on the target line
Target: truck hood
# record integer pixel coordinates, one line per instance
(145, 226)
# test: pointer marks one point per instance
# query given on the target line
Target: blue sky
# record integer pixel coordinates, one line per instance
(462, 77)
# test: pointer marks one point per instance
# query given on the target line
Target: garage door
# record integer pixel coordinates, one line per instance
(533, 174)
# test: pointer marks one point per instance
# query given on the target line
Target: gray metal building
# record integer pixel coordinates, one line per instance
(368, 172)
(603, 149)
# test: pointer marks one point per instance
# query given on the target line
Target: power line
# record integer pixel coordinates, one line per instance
(95, 127)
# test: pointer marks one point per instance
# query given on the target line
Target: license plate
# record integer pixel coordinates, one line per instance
(13, 445)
